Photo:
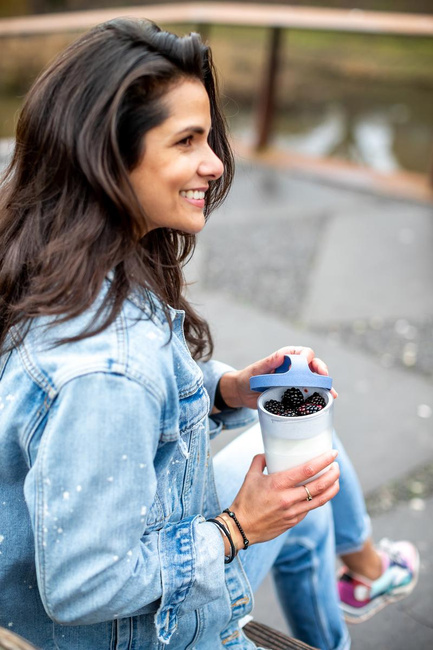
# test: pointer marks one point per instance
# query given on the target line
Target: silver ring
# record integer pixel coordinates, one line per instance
(309, 497)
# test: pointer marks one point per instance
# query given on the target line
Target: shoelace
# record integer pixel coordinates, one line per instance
(393, 554)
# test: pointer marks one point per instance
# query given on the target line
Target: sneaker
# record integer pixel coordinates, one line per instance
(362, 598)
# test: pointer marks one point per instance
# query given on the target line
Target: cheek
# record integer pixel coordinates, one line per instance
(163, 195)
(180, 173)
(151, 190)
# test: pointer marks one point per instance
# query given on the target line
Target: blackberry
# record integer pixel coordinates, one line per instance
(292, 398)
(289, 413)
(308, 409)
(274, 406)
(315, 398)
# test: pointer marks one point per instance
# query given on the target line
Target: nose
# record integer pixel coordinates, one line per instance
(211, 166)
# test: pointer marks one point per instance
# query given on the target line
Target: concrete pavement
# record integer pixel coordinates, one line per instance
(291, 261)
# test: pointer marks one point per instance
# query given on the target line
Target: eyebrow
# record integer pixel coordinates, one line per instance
(193, 129)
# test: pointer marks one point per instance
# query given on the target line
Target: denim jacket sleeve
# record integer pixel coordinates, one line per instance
(89, 493)
(234, 418)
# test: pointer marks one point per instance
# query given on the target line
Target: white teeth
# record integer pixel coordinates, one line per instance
(192, 194)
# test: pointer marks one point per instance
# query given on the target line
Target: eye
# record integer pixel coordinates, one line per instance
(186, 142)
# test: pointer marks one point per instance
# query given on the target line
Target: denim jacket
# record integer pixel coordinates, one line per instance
(106, 483)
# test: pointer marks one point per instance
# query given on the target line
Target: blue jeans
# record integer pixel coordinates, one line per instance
(302, 560)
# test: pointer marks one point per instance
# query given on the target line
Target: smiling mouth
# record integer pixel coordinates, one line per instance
(198, 195)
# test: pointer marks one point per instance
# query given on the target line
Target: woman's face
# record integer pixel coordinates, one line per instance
(174, 173)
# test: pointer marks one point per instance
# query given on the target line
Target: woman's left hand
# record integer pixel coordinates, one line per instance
(235, 386)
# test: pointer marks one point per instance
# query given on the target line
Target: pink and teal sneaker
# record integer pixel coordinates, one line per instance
(362, 598)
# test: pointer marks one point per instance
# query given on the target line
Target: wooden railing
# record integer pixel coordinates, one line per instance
(274, 17)
(231, 13)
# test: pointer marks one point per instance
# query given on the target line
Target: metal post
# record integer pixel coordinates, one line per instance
(430, 171)
(266, 102)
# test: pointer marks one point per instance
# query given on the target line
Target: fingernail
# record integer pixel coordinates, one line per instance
(334, 453)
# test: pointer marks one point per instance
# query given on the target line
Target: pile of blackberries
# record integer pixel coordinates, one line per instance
(293, 405)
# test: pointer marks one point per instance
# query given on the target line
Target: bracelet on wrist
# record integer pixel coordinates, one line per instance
(226, 523)
(232, 515)
(226, 533)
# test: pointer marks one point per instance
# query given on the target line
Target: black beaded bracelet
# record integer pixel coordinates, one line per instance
(226, 532)
(241, 530)
(219, 402)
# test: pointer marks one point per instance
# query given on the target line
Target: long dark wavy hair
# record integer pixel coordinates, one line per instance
(68, 213)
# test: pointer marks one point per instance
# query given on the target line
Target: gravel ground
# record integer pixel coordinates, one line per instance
(413, 488)
(397, 343)
(281, 261)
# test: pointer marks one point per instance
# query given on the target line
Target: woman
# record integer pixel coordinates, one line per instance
(112, 532)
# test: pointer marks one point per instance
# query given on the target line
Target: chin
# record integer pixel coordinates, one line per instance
(193, 227)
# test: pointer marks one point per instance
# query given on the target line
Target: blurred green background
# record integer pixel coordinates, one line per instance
(363, 98)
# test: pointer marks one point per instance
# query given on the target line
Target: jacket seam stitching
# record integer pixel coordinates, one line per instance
(37, 376)
(122, 336)
(30, 432)
(97, 369)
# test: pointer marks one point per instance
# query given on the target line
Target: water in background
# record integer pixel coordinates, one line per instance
(388, 129)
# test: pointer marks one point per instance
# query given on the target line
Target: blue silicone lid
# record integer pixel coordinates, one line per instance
(294, 371)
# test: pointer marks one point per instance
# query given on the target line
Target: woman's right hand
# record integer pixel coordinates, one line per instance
(268, 505)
